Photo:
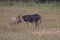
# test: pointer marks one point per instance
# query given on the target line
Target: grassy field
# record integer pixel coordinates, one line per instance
(49, 29)
(30, 5)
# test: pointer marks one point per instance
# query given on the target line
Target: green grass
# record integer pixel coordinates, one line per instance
(30, 5)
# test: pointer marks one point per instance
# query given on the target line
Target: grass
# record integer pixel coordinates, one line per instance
(50, 19)
(30, 5)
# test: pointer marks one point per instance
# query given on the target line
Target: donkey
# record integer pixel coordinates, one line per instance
(34, 18)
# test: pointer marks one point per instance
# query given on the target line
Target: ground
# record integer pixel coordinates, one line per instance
(49, 29)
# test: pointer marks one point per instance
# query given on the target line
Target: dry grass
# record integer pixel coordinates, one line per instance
(48, 29)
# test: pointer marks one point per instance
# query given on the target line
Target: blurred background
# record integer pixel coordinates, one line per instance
(49, 29)
(31, 3)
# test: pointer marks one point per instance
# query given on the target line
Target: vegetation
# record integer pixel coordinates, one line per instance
(31, 3)
(49, 29)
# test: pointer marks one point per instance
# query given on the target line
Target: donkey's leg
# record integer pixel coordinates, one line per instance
(35, 25)
(38, 25)
(27, 25)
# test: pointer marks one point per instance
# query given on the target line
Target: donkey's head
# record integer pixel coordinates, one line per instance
(16, 20)
(19, 18)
